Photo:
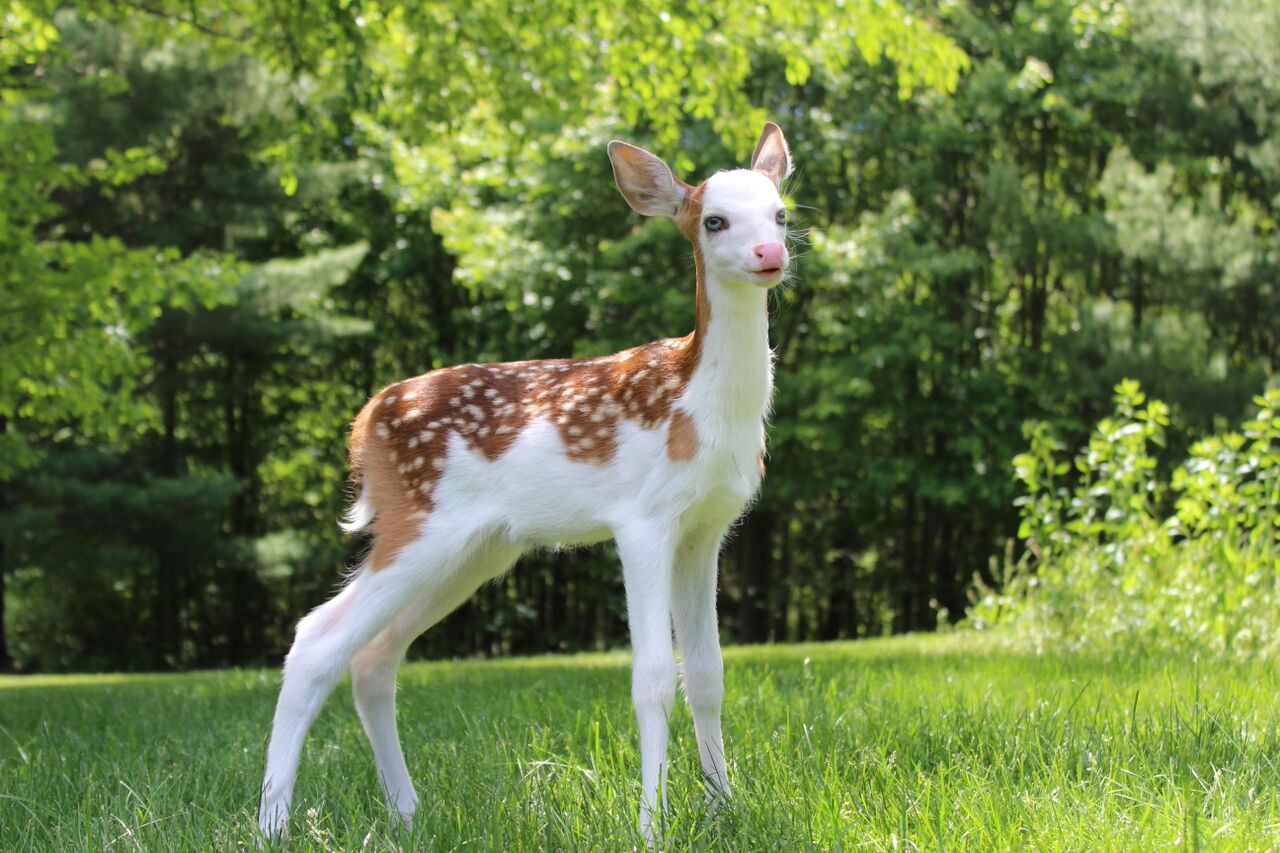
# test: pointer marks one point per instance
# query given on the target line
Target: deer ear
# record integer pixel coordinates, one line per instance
(645, 181)
(772, 156)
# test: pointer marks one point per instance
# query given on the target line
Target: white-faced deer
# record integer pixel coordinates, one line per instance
(659, 447)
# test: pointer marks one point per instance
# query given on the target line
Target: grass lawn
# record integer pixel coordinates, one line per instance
(928, 742)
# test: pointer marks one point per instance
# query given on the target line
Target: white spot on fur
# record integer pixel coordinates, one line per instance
(381, 430)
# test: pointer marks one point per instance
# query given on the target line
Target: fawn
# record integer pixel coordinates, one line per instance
(659, 447)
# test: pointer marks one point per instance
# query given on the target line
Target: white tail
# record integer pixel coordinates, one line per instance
(359, 515)
(659, 447)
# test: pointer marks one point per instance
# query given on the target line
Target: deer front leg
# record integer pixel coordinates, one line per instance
(693, 610)
(647, 552)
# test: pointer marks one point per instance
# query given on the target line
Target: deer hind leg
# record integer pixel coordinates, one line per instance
(373, 669)
(693, 611)
(328, 638)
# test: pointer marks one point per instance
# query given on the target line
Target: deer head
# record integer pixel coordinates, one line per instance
(735, 219)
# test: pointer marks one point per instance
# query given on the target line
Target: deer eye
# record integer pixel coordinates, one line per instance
(715, 223)
(782, 217)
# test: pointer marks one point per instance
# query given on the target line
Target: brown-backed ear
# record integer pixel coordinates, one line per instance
(645, 181)
(771, 155)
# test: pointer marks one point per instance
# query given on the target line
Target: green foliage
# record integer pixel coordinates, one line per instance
(1113, 571)
(70, 310)
(110, 560)
(71, 305)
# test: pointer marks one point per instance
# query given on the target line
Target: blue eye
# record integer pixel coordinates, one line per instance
(715, 223)
(782, 217)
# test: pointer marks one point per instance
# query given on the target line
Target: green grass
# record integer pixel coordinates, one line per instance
(930, 743)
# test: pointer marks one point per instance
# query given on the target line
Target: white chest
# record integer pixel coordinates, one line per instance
(725, 474)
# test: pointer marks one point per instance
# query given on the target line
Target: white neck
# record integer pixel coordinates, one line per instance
(733, 382)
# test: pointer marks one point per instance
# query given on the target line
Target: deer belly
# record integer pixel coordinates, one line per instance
(543, 496)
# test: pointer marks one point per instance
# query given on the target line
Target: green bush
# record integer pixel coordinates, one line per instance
(1117, 559)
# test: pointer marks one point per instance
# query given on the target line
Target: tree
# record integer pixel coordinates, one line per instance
(1009, 208)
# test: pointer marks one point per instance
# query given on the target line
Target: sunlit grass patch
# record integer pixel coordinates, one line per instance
(929, 743)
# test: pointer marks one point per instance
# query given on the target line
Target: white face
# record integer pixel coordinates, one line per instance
(743, 229)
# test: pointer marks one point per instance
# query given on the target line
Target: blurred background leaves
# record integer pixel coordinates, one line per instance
(222, 226)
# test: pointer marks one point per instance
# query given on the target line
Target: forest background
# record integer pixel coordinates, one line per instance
(223, 226)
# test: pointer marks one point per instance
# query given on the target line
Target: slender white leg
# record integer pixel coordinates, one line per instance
(693, 610)
(325, 642)
(647, 552)
(373, 671)
(309, 677)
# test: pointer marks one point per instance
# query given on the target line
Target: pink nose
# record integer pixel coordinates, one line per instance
(771, 255)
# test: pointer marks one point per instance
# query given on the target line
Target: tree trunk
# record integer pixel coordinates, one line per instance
(910, 567)
(168, 622)
(784, 595)
(6, 660)
(752, 556)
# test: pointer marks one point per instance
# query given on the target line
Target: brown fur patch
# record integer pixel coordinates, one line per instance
(689, 221)
(400, 439)
(682, 438)
(399, 518)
